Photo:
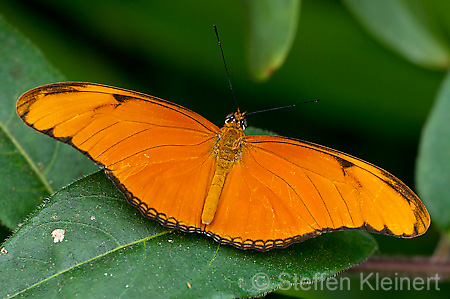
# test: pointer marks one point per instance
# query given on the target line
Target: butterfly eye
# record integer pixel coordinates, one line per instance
(229, 118)
(243, 124)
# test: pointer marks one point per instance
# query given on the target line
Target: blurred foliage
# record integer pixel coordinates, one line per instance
(403, 27)
(374, 101)
(32, 164)
(433, 167)
(271, 31)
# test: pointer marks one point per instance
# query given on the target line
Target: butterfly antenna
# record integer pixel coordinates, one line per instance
(276, 108)
(224, 63)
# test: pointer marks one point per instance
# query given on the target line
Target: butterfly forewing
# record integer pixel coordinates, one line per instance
(156, 152)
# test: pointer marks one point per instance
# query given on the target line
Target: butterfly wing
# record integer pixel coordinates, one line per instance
(156, 152)
(286, 190)
(160, 155)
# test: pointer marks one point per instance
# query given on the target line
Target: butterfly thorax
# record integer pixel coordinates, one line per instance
(229, 140)
(227, 151)
(228, 145)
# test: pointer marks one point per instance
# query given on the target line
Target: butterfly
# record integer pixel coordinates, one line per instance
(251, 192)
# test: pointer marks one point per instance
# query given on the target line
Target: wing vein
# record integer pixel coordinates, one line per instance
(154, 147)
(281, 200)
(321, 198)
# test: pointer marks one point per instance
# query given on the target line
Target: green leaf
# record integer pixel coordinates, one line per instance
(433, 162)
(32, 164)
(257, 131)
(272, 27)
(109, 248)
(24, 186)
(402, 27)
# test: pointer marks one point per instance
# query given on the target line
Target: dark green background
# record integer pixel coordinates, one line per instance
(373, 103)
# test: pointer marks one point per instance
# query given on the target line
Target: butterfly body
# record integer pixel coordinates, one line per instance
(227, 151)
(252, 192)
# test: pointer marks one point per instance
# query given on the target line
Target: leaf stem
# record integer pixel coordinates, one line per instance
(415, 266)
(442, 251)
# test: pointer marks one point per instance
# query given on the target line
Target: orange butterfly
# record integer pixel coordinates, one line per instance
(252, 192)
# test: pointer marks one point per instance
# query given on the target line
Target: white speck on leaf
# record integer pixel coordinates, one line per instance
(58, 235)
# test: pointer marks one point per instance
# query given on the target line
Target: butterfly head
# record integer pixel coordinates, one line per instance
(236, 119)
